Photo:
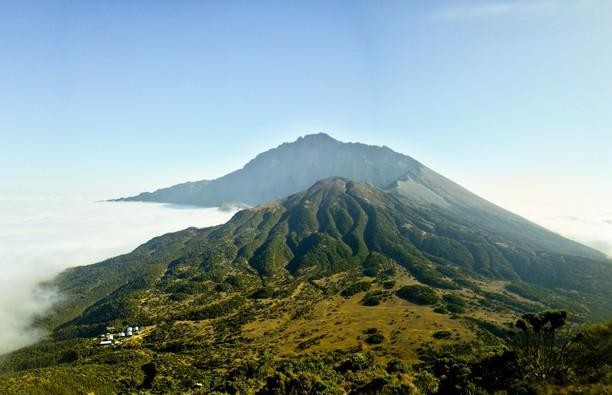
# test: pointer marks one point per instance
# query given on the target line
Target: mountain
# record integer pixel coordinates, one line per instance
(290, 168)
(331, 287)
(338, 225)
(293, 167)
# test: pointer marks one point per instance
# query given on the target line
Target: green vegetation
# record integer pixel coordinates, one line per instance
(455, 304)
(263, 293)
(372, 299)
(355, 288)
(542, 356)
(214, 310)
(378, 265)
(418, 294)
(442, 334)
(388, 284)
(375, 338)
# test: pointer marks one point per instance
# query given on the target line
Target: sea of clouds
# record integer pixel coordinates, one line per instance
(592, 229)
(583, 214)
(39, 237)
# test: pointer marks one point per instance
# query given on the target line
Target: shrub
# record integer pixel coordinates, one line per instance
(455, 304)
(426, 382)
(375, 338)
(441, 310)
(418, 294)
(355, 288)
(262, 293)
(396, 365)
(442, 335)
(371, 300)
(358, 361)
(215, 310)
(453, 308)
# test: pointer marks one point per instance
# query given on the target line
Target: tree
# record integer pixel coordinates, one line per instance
(543, 347)
(594, 352)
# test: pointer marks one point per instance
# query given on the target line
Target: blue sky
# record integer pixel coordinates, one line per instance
(509, 98)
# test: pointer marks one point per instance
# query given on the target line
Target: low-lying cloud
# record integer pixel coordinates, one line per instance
(39, 237)
(593, 228)
(594, 232)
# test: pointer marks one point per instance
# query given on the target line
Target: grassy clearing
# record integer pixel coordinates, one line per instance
(339, 323)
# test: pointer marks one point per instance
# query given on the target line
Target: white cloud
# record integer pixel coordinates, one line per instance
(39, 237)
(494, 9)
(575, 204)
(586, 221)
(592, 230)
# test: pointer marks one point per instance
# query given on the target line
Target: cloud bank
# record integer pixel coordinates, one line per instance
(589, 223)
(39, 237)
(593, 230)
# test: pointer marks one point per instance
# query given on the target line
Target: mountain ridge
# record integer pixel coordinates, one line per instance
(295, 166)
(316, 149)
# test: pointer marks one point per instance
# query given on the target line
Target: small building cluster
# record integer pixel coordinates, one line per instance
(129, 331)
(115, 338)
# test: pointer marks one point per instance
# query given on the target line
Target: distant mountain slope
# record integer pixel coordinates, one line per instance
(430, 188)
(293, 167)
(290, 168)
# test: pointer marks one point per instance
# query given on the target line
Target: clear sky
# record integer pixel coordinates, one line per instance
(512, 99)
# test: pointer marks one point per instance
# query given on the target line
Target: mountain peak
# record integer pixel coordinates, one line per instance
(290, 168)
(331, 183)
(321, 136)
